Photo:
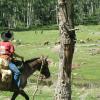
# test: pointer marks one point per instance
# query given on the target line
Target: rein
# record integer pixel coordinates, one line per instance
(37, 83)
(41, 66)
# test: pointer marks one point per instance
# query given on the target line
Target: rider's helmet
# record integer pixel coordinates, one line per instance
(6, 36)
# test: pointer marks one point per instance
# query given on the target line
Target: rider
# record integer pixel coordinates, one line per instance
(7, 49)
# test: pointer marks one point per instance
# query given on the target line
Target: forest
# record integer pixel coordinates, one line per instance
(21, 14)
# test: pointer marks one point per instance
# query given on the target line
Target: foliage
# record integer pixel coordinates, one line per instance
(91, 20)
(28, 13)
(86, 11)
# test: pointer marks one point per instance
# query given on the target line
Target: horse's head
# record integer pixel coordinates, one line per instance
(44, 67)
(40, 64)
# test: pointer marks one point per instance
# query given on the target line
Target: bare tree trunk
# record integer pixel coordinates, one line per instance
(67, 36)
(93, 6)
(29, 13)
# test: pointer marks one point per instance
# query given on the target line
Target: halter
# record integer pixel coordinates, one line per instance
(38, 77)
(41, 65)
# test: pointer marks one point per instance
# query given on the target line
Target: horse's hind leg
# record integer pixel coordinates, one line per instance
(24, 94)
(15, 94)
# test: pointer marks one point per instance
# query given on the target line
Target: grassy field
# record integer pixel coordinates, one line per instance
(86, 62)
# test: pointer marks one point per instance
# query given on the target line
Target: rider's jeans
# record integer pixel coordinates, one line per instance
(16, 72)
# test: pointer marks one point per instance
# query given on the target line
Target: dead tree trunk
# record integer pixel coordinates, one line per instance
(67, 36)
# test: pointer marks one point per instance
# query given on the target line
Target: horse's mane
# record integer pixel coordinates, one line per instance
(32, 59)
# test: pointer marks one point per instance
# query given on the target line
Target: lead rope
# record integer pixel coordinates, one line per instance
(37, 83)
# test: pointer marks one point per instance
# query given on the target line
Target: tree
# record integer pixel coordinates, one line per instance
(27, 13)
(67, 36)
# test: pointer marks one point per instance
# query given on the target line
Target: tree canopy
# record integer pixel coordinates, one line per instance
(28, 13)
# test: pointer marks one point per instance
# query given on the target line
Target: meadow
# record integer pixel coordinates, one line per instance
(86, 62)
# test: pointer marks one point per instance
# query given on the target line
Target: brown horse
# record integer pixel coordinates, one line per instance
(30, 66)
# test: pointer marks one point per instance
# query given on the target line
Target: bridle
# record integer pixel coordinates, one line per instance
(42, 61)
(37, 85)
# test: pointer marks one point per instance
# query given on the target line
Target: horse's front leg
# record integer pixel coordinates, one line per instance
(15, 94)
(24, 94)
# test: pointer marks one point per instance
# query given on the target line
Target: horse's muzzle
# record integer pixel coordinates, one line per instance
(47, 76)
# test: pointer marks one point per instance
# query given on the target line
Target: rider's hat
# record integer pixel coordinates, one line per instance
(6, 36)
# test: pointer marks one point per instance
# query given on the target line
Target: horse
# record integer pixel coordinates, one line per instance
(29, 67)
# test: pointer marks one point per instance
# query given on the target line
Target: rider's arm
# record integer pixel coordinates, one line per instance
(12, 51)
(16, 55)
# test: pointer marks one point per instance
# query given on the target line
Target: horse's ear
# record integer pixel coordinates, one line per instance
(41, 57)
(48, 60)
(46, 57)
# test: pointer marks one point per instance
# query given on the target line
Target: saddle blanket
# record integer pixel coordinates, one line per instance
(5, 73)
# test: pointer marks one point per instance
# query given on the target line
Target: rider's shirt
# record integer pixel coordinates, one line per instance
(6, 48)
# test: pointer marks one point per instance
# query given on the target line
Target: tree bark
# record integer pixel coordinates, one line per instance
(29, 13)
(67, 39)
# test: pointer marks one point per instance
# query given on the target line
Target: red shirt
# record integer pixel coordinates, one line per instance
(6, 48)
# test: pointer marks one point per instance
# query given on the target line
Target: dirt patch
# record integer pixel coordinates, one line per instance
(4, 98)
(95, 51)
(74, 66)
(56, 48)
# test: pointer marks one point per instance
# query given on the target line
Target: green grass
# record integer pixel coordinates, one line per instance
(90, 31)
(32, 45)
(37, 38)
(89, 64)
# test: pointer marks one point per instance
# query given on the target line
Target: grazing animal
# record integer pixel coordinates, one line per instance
(58, 42)
(29, 67)
(46, 43)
